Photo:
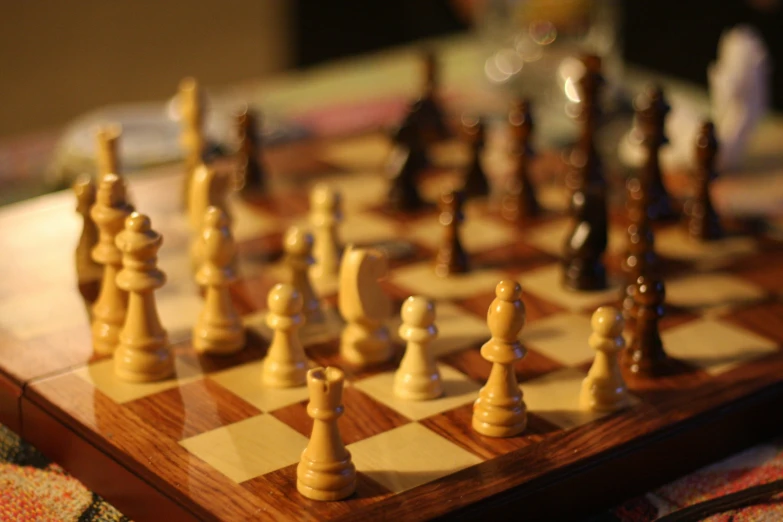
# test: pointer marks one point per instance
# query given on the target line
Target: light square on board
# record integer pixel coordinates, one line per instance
(420, 279)
(178, 311)
(249, 222)
(711, 290)
(546, 283)
(714, 345)
(101, 375)
(368, 152)
(457, 329)
(248, 448)
(309, 333)
(458, 389)
(551, 237)
(359, 191)
(675, 243)
(34, 314)
(478, 233)
(555, 398)
(245, 382)
(409, 456)
(561, 337)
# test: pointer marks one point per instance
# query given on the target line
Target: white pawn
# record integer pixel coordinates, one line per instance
(418, 377)
(604, 388)
(218, 329)
(325, 216)
(285, 365)
(298, 247)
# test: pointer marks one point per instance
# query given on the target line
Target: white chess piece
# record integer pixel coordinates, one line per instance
(285, 364)
(604, 388)
(325, 216)
(418, 377)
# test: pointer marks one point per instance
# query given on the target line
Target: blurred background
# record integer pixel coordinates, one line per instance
(64, 58)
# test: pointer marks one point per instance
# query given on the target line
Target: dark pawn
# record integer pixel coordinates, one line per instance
(646, 355)
(476, 183)
(584, 249)
(640, 256)
(520, 200)
(703, 221)
(451, 257)
(251, 174)
(651, 111)
(430, 120)
(586, 165)
(405, 164)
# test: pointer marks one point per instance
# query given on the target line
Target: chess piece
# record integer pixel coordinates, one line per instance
(641, 257)
(364, 306)
(520, 202)
(325, 216)
(191, 110)
(208, 188)
(651, 111)
(583, 266)
(476, 182)
(418, 377)
(604, 389)
(218, 329)
(586, 165)
(108, 312)
(500, 410)
(703, 222)
(298, 248)
(285, 365)
(325, 471)
(407, 160)
(251, 172)
(645, 354)
(107, 155)
(429, 119)
(88, 271)
(143, 353)
(451, 257)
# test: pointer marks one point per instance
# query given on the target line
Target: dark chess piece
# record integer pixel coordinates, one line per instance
(520, 200)
(451, 258)
(651, 110)
(703, 222)
(583, 266)
(586, 165)
(251, 174)
(407, 161)
(476, 182)
(429, 118)
(640, 257)
(645, 354)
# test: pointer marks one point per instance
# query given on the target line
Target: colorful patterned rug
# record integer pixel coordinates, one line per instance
(34, 489)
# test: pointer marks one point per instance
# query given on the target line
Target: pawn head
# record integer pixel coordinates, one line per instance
(607, 321)
(138, 222)
(111, 191)
(215, 218)
(284, 299)
(324, 197)
(297, 241)
(418, 311)
(508, 290)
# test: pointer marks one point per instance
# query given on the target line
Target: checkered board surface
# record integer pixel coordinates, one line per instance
(215, 431)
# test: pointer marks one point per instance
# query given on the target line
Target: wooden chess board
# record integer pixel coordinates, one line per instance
(214, 444)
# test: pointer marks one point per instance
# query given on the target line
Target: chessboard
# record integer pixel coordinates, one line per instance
(213, 443)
